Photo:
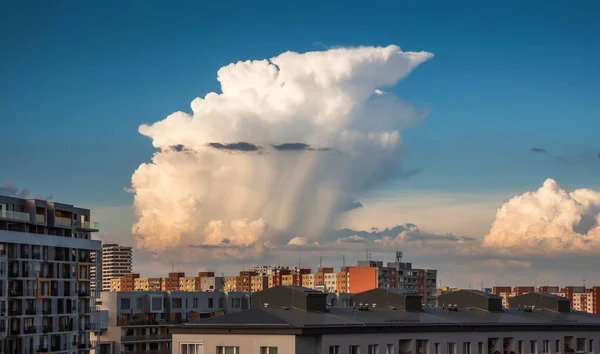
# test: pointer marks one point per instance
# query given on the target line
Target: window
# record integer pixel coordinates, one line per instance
(176, 303)
(354, 349)
(480, 348)
(373, 349)
(558, 346)
(436, 347)
(268, 350)
(546, 345)
(195, 302)
(533, 347)
(451, 348)
(157, 303)
(228, 350)
(139, 303)
(210, 302)
(580, 344)
(236, 303)
(389, 349)
(591, 346)
(334, 349)
(221, 303)
(466, 348)
(125, 304)
(191, 348)
(521, 347)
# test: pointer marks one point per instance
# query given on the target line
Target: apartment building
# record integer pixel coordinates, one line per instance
(138, 321)
(581, 298)
(298, 320)
(116, 261)
(147, 284)
(46, 303)
(330, 282)
(189, 283)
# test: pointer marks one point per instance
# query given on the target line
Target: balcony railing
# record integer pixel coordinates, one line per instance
(30, 330)
(89, 225)
(40, 218)
(59, 221)
(15, 215)
(42, 349)
(160, 351)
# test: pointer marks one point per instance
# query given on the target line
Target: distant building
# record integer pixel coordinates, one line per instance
(116, 261)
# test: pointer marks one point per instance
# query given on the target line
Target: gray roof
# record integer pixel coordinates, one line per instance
(344, 319)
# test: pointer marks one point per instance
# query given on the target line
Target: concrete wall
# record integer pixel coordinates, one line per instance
(248, 343)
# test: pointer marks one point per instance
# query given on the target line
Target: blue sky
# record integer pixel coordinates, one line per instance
(79, 78)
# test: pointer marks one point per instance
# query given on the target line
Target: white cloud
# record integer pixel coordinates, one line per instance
(287, 141)
(549, 220)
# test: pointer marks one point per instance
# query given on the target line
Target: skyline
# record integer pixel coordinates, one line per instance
(510, 96)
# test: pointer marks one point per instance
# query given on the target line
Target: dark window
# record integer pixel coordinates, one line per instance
(210, 302)
(125, 304)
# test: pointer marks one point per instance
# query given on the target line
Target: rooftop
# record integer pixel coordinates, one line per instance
(380, 319)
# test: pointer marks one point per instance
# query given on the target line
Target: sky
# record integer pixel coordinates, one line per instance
(511, 95)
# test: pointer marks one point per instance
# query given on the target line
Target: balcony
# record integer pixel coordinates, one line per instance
(15, 215)
(40, 219)
(64, 222)
(30, 311)
(42, 349)
(47, 329)
(160, 351)
(30, 330)
(89, 226)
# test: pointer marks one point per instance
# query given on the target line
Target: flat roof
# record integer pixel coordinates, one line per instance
(343, 320)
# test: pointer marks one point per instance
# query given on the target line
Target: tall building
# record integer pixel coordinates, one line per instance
(116, 262)
(45, 282)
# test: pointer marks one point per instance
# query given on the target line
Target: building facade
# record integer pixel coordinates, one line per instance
(45, 283)
(138, 321)
(392, 321)
(116, 261)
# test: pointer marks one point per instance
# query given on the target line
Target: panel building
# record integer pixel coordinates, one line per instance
(115, 263)
(45, 283)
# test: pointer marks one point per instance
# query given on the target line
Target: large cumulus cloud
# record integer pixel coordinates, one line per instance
(287, 143)
(548, 220)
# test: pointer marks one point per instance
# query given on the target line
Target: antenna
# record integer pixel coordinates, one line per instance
(321, 262)
(298, 263)
(583, 282)
(398, 256)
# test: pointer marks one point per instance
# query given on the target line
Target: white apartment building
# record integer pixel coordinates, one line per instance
(45, 292)
(330, 282)
(296, 320)
(116, 262)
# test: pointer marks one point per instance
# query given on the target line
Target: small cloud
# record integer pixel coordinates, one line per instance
(540, 150)
(241, 146)
(11, 190)
(291, 147)
(179, 148)
(349, 204)
(351, 239)
(301, 241)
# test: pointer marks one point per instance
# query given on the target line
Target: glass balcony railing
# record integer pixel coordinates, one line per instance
(89, 225)
(59, 221)
(40, 218)
(15, 215)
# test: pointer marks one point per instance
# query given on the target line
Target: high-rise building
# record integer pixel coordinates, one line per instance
(45, 292)
(116, 262)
